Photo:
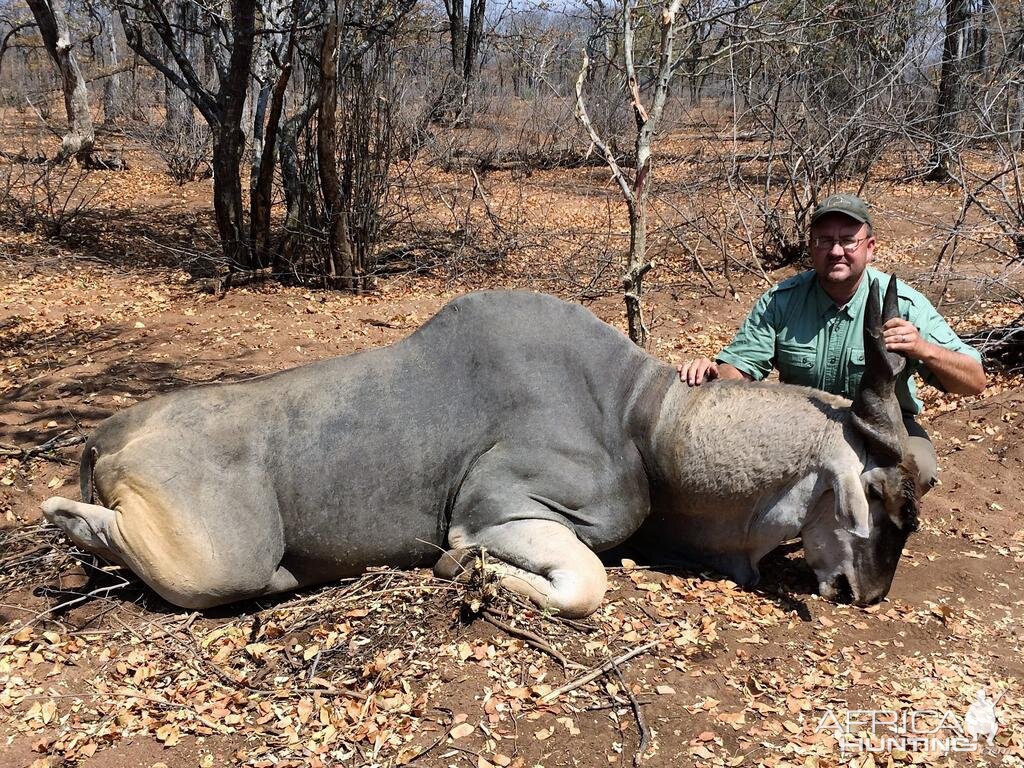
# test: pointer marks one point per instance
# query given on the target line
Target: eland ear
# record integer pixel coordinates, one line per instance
(875, 408)
(852, 510)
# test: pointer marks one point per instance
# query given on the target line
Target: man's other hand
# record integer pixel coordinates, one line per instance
(696, 372)
(902, 336)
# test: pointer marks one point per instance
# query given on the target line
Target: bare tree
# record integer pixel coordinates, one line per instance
(53, 27)
(947, 138)
(635, 190)
(108, 57)
(317, 164)
(265, 151)
(1015, 100)
(222, 108)
(179, 113)
(340, 266)
(464, 44)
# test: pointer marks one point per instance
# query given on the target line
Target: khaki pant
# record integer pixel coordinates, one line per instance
(921, 448)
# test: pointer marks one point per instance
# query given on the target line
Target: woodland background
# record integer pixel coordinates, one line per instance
(204, 191)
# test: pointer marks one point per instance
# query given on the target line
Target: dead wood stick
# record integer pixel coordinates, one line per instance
(478, 187)
(43, 449)
(12, 560)
(614, 705)
(641, 724)
(491, 617)
(101, 592)
(580, 625)
(597, 672)
(445, 730)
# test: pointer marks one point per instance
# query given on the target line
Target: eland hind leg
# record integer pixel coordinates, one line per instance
(179, 563)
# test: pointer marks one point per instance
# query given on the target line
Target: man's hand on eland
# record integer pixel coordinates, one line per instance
(696, 372)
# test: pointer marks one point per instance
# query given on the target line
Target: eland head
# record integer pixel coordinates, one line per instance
(854, 553)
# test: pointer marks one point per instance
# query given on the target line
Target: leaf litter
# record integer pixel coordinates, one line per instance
(389, 669)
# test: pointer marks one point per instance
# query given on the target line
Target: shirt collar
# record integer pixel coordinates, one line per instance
(825, 304)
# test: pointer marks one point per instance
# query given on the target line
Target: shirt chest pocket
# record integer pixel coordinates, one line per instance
(797, 363)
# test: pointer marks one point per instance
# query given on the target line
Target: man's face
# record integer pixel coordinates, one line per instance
(831, 261)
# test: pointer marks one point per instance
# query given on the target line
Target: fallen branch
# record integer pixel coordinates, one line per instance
(597, 672)
(23, 557)
(44, 450)
(447, 729)
(641, 724)
(490, 616)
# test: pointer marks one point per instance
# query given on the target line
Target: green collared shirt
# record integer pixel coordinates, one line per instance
(796, 328)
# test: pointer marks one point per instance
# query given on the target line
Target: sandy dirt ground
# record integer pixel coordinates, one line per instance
(400, 668)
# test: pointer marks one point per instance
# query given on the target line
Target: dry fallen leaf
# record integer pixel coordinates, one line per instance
(169, 734)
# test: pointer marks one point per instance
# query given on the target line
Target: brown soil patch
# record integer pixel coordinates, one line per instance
(383, 670)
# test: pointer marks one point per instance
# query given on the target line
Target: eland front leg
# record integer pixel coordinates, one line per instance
(538, 559)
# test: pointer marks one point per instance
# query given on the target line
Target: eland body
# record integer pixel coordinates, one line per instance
(510, 421)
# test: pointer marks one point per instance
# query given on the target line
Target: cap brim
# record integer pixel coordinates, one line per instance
(826, 211)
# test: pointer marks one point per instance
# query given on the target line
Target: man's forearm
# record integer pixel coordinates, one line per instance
(959, 373)
(726, 371)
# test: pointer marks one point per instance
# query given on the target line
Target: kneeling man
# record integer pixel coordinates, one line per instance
(809, 328)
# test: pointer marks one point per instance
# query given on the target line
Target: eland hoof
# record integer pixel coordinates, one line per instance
(455, 564)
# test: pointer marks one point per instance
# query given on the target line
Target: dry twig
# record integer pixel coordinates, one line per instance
(491, 617)
(597, 672)
(44, 450)
(641, 724)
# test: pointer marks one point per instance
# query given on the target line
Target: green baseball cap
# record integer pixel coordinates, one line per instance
(848, 205)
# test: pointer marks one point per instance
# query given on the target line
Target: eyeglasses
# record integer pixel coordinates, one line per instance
(848, 244)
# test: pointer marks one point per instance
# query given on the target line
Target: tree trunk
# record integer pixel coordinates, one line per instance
(636, 266)
(978, 50)
(231, 99)
(262, 181)
(340, 266)
(179, 115)
(109, 58)
(465, 50)
(259, 117)
(291, 181)
(53, 27)
(946, 150)
(474, 34)
(457, 30)
(265, 75)
(1016, 100)
(228, 146)
(262, 184)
